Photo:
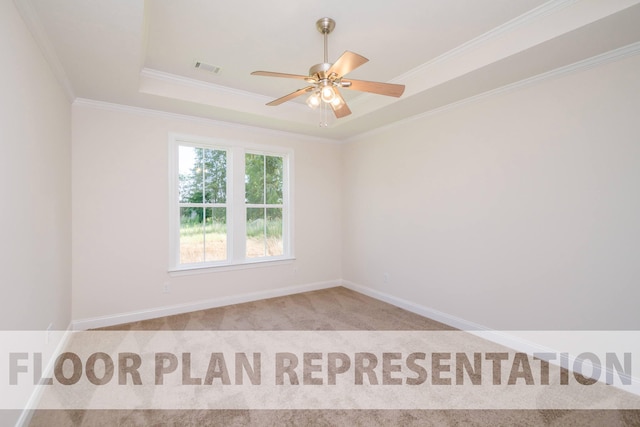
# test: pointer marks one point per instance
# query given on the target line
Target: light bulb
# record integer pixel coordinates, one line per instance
(337, 103)
(327, 94)
(314, 100)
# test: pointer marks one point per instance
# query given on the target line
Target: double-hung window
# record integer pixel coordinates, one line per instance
(229, 203)
(264, 203)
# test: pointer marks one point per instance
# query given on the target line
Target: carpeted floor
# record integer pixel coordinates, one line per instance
(330, 309)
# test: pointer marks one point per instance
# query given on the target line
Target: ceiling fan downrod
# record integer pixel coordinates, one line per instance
(325, 26)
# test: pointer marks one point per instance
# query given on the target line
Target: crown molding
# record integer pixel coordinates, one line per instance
(546, 9)
(34, 24)
(171, 86)
(587, 64)
(108, 106)
(598, 60)
(199, 84)
(499, 31)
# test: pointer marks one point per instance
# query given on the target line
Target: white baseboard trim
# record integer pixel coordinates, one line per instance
(499, 337)
(135, 316)
(32, 404)
(447, 319)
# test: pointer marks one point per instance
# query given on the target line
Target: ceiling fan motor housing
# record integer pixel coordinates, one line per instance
(320, 70)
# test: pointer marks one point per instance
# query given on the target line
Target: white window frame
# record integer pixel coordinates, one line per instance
(235, 204)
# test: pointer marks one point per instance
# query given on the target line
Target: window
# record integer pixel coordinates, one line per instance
(264, 202)
(202, 191)
(229, 203)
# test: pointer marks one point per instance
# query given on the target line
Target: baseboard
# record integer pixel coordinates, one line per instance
(447, 319)
(135, 316)
(499, 337)
(32, 404)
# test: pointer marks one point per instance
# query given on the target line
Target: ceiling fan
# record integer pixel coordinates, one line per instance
(325, 79)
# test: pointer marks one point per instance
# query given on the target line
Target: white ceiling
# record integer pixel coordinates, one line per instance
(141, 53)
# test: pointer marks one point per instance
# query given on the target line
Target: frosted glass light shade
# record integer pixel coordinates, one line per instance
(327, 94)
(314, 100)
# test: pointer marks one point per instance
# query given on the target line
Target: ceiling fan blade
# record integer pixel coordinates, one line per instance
(342, 109)
(290, 96)
(285, 75)
(388, 89)
(347, 62)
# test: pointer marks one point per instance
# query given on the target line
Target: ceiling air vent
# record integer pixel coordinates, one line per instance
(213, 69)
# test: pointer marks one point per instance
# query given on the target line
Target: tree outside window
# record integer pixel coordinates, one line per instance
(264, 201)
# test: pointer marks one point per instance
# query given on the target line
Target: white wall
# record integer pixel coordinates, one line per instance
(518, 211)
(35, 184)
(120, 214)
(35, 189)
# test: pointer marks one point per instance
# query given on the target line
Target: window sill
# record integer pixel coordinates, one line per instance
(205, 269)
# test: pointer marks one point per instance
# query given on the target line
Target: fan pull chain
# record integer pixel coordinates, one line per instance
(324, 115)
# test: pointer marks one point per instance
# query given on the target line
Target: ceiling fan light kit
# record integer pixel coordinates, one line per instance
(326, 78)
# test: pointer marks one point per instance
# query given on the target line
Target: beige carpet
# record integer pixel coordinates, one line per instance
(331, 309)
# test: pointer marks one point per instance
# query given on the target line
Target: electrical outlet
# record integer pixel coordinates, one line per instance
(166, 289)
(385, 277)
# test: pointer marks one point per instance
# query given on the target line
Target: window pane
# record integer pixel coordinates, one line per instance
(203, 207)
(274, 232)
(254, 178)
(215, 234)
(215, 176)
(256, 243)
(191, 235)
(190, 174)
(273, 179)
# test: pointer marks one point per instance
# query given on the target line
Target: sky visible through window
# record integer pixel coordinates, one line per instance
(186, 158)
